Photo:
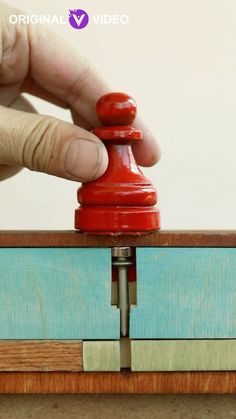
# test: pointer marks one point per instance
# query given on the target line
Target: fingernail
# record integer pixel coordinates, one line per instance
(86, 159)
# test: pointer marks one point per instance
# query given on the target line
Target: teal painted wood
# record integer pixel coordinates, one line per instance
(56, 293)
(185, 293)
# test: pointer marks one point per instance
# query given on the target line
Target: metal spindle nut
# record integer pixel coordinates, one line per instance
(121, 252)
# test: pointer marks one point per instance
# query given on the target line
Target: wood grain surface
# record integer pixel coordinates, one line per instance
(118, 382)
(101, 355)
(183, 355)
(57, 294)
(41, 355)
(73, 238)
(185, 293)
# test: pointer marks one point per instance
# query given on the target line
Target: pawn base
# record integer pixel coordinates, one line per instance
(110, 220)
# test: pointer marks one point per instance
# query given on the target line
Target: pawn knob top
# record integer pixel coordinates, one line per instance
(116, 109)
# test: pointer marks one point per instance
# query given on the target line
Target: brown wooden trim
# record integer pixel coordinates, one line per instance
(41, 355)
(166, 238)
(124, 382)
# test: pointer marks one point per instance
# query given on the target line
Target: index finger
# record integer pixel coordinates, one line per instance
(63, 71)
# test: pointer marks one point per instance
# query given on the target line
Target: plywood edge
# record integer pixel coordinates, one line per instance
(71, 238)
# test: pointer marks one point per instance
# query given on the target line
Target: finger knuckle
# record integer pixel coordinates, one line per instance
(39, 145)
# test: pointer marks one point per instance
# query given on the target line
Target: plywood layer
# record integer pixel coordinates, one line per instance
(183, 355)
(185, 293)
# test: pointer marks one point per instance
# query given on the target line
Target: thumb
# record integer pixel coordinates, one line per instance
(48, 145)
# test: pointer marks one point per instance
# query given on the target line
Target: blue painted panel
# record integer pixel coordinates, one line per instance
(185, 293)
(56, 293)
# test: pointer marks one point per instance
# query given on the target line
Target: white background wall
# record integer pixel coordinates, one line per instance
(178, 59)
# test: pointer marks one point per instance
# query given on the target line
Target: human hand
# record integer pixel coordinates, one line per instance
(38, 62)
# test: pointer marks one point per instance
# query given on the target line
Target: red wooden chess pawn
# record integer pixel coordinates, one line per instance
(122, 200)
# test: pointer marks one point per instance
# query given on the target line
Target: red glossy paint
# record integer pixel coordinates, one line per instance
(122, 200)
(116, 109)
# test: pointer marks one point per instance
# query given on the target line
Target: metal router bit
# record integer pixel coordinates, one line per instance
(121, 259)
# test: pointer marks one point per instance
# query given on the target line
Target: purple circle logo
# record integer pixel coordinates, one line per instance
(78, 18)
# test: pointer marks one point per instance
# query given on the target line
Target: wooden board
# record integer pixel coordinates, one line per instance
(118, 382)
(183, 355)
(73, 238)
(101, 355)
(185, 294)
(41, 355)
(56, 294)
